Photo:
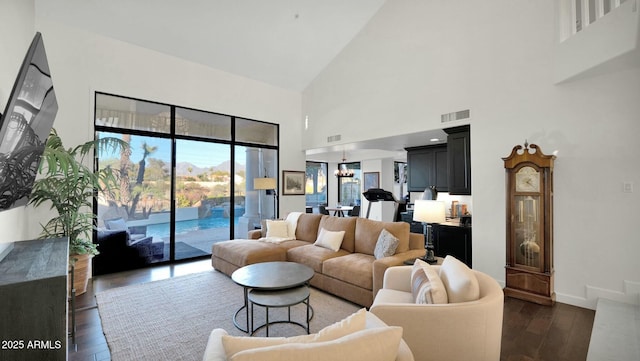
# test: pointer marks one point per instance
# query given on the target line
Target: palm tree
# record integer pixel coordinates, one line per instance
(147, 150)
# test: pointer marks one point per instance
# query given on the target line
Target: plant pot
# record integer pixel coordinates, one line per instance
(82, 272)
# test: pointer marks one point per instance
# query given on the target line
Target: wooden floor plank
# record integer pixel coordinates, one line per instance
(530, 332)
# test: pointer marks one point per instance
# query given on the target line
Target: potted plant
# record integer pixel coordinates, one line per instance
(70, 185)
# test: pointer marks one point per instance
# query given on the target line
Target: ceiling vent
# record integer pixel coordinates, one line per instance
(449, 117)
(334, 138)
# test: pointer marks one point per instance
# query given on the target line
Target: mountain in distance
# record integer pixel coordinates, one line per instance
(182, 168)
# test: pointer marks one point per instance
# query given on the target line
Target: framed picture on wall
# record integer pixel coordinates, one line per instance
(293, 183)
(399, 172)
(371, 180)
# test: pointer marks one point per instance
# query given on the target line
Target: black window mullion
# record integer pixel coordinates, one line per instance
(232, 186)
(172, 213)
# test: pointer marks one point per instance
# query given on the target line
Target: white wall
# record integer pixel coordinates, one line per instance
(418, 59)
(16, 33)
(82, 63)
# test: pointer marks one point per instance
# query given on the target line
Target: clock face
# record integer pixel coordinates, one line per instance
(527, 180)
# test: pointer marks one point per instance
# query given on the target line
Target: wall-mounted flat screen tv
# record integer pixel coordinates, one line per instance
(25, 126)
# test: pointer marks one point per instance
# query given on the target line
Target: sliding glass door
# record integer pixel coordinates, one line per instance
(186, 180)
(202, 189)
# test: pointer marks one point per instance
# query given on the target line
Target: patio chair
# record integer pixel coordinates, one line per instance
(136, 234)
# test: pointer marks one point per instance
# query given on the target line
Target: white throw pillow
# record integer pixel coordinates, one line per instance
(292, 222)
(386, 245)
(330, 239)
(426, 285)
(354, 323)
(459, 280)
(277, 229)
(375, 344)
(213, 352)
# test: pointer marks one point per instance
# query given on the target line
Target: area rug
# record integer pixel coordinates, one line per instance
(172, 319)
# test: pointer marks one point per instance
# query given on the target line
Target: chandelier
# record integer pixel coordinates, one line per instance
(343, 171)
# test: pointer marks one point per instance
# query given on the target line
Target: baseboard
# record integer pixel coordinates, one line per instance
(575, 301)
(631, 294)
(631, 287)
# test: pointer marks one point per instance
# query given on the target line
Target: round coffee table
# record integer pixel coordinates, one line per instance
(269, 276)
(278, 299)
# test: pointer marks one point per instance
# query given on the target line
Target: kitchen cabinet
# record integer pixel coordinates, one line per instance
(459, 160)
(427, 166)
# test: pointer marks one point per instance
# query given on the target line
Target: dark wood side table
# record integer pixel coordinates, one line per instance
(410, 262)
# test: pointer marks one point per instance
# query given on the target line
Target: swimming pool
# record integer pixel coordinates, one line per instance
(216, 220)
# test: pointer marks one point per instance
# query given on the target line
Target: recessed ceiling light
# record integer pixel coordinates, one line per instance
(434, 139)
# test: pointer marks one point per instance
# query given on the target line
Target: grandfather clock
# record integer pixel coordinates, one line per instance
(529, 269)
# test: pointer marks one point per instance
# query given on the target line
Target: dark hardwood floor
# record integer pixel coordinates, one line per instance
(530, 332)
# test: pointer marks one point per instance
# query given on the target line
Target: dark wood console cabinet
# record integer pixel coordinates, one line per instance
(33, 301)
(427, 166)
(448, 239)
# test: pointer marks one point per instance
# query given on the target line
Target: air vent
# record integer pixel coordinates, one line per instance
(334, 138)
(462, 114)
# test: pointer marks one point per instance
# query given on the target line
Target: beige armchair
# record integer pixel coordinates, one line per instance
(348, 348)
(453, 331)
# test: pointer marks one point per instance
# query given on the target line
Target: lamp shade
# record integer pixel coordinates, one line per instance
(428, 211)
(264, 183)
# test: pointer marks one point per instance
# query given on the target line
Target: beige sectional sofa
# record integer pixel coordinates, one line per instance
(352, 272)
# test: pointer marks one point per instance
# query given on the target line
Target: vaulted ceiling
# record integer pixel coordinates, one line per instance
(284, 43)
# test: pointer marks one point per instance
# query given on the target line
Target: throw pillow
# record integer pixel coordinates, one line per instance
(386, 245)
(277, 229)
(459, 280)
(355, 322)
(263, 228)
(116, 224)
(212, 352)
(292, 222)
(330, 239)
(375, 344)
(426, 285)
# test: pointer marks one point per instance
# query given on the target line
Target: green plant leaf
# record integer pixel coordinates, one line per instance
(69, 186)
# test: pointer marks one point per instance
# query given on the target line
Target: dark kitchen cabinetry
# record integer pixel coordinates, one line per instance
(427, 166)
(452, 240)
(448, 238)
(459, 158)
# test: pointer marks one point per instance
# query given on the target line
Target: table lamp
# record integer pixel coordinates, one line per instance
(428, 212)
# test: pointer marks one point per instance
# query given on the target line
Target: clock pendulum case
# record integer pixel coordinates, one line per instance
(529, 206)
